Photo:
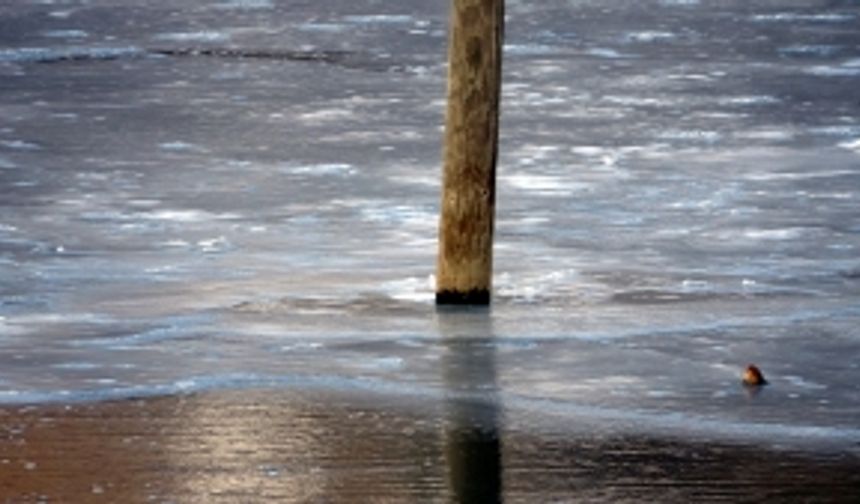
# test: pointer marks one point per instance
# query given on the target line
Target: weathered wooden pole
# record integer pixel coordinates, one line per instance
(465, 263)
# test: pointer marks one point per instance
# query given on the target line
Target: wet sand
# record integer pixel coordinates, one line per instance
(290, 446)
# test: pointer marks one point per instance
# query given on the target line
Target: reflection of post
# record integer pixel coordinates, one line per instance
(464, 267)
(473, 447)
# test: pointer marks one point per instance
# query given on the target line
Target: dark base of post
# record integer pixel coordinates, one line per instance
(472, 297)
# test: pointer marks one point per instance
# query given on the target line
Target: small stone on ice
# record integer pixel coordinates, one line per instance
(753, 376)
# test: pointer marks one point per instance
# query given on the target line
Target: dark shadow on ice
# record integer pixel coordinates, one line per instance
(472, 438)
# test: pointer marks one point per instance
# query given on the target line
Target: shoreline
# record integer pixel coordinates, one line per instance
(298, 446)
(522, 412)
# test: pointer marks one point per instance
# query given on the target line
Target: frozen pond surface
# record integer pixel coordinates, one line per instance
(230, 194)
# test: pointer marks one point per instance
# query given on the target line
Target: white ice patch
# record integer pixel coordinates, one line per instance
(605, 52)
(417, 180)
(201, 36)
(412, 289)
(749, 100)
(679, 3)
(649, 36)
(214, 245)
(589, 150)
(853, 145)
(300, 346)
(532, 287)
(543, 185)
(185, 216)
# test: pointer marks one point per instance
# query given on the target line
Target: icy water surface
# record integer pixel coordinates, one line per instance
(243, 194)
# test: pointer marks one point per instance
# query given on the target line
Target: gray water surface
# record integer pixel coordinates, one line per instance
(231, 194)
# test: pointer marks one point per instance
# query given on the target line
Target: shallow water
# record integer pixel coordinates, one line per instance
(244, 194)
(323, 446)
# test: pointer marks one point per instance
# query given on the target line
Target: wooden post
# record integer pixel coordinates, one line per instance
(465, 262)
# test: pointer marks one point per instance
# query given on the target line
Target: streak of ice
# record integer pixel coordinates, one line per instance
(322, 27)
(245, 5)
(529, 49)
(200, 36)
(798, 175)
(637, 101)
(605, 52)
(157, 335)
(853, 145)
(413, 289)
(65, 34)
(185, 216)
(774, 234)
(750, 100)
(649, 36)
(810, 50)
(76, 366)
(832, 71)
(48, 55)
(379, 19)
(790, 17)
(692, 135)
(20, 145)
(840, 130)
(214, 245)
(324, 115)
(545, 185)
(765, 134)
(413, 216)
(180, 146)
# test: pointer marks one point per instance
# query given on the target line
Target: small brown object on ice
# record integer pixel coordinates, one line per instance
(753, 377)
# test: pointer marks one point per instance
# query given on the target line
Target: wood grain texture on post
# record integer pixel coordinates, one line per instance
(465, 261)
